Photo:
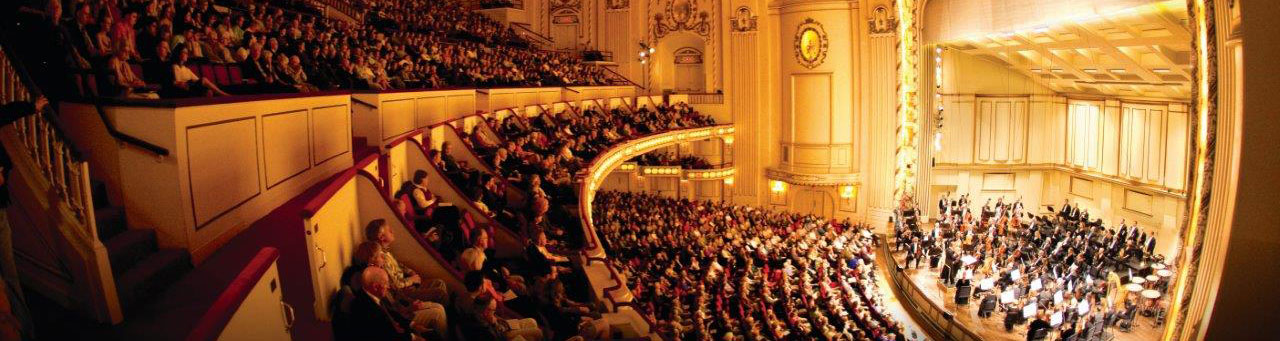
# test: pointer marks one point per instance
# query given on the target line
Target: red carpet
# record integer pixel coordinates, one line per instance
(174, 313)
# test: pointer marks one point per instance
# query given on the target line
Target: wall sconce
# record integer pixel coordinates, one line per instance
(728, 181)
(777, 186)
(848, 192)
(728, 140)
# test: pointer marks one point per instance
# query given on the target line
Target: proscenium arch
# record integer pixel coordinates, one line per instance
(1204, 102)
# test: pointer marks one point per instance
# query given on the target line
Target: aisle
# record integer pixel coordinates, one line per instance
(891, 302)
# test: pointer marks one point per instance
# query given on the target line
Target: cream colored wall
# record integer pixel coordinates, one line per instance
(332, 234)
(398, 113)
(1005, 136)
(337, 229)
(229, 164)
(261, 315)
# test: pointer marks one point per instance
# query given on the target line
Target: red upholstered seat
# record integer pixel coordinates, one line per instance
(404, 207)
(206, 71)
(221, 76)
(234, 74)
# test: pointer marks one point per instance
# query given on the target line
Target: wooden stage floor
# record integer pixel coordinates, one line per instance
(992, 328)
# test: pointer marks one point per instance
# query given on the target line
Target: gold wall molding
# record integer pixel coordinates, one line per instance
(812, 179)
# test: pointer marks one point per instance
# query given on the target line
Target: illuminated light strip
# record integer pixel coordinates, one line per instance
(908, 108)
(1199, 9)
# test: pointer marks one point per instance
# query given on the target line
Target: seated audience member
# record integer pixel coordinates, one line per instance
(185, 81)
(427, 317)
(370, 313)
(421, 199)
(503, 329)
(123, 80)
(403, 280)
(703, 270)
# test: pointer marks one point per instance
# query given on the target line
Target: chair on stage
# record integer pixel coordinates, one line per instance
(1040, 335)
(963, 292)
(988, 305)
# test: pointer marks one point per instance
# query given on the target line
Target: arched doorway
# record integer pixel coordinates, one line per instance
(565, 29)
(689, 72)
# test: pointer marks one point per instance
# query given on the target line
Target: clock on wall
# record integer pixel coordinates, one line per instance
(810, 43)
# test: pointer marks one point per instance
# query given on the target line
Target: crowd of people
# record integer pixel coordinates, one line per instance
(542, 155)
(712, 271)
(1062, 272)
(531, 296)
(670, 159)
(153, 48)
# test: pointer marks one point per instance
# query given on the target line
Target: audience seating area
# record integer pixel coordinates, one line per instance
(475, 231)
(189, 48)
(702, 271)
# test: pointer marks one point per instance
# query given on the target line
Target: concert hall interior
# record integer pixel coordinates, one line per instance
(837, 170)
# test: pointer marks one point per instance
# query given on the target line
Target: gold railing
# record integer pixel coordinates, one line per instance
(941, 324)
(708, 98)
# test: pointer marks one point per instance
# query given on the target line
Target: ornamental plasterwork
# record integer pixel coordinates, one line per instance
(561, 4)
(881, 22)
(743, 20)
(617, 5)
(810, 43)
(812, 179)
(682, 15)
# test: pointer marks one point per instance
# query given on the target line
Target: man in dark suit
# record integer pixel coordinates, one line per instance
(1037, 325)
(371, 316)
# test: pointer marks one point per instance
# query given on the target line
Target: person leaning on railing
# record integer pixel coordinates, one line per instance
(13, 320)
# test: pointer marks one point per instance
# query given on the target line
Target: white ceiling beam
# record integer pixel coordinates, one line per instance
(1052, 57)
(1116, 53)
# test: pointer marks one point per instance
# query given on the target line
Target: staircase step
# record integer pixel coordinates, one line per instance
(101, 199)
(111, 221)
(129, 247)
(150, 277)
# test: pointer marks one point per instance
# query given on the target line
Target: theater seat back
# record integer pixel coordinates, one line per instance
(221, 75)
(234, 75)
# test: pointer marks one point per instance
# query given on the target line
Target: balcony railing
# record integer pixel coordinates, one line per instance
(46, 142)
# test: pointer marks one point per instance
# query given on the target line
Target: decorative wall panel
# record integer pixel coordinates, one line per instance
(811, 98)
(1138, 202)
(226, 157)
(330, 136)
(1084, 134)
(1002, 129)
(998, 182)
(1081, 187)
(397, 118)
(286, 145)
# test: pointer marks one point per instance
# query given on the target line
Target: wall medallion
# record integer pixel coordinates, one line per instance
(682, 15)
(810, 43)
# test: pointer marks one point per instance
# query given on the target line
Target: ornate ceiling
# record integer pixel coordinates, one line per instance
(1143, 51)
